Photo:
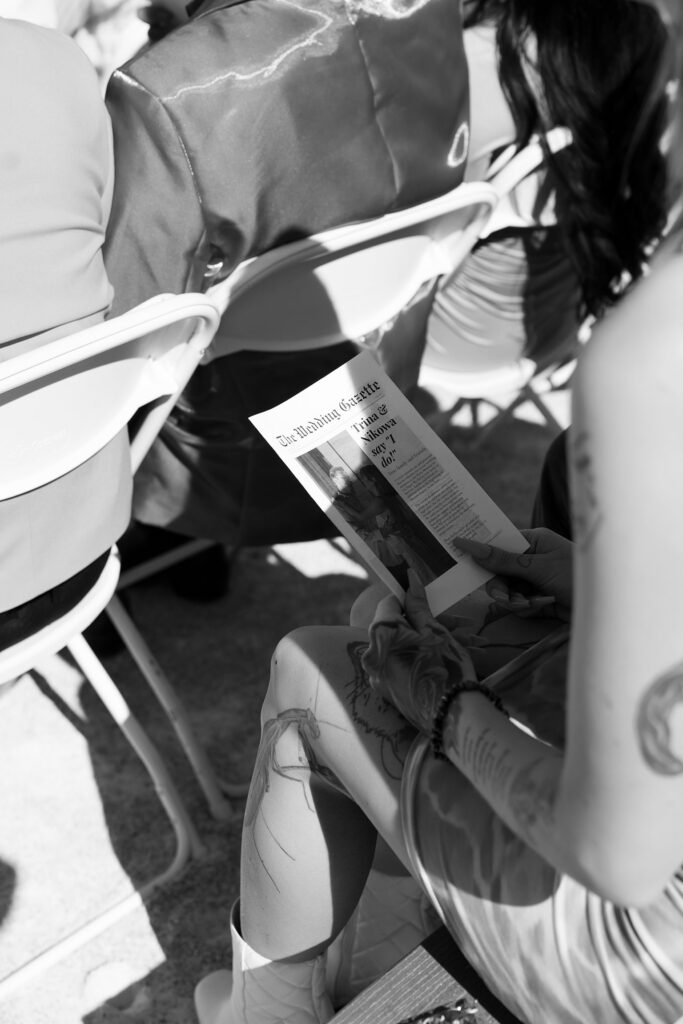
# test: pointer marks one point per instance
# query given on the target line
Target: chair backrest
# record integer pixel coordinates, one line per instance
(346, 282)
(514, 176)
(467, 356)
(62, 402)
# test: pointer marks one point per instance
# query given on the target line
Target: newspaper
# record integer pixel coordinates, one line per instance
(387, 481)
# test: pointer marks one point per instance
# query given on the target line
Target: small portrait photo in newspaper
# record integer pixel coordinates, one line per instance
(373, 508)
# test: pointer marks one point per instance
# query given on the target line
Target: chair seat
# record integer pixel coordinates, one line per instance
(464, 382)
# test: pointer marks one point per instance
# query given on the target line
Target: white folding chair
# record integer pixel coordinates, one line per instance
(346, 282)
(77, 393)
(467, 375)
(340, 284)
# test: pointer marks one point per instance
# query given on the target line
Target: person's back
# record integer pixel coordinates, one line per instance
(56, 179)
(525, 290)
(254, 124)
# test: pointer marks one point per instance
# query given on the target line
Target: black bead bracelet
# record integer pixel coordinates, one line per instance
(447, 698)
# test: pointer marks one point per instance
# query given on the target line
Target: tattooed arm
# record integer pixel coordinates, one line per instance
(625, 716)
(609, 810)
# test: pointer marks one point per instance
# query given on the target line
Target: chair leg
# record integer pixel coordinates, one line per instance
(164, 561)
(188, 843)
(214, 790)
(532, 396)
(481, 431)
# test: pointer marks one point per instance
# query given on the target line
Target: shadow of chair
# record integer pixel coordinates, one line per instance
(62, 403)
(460, 374)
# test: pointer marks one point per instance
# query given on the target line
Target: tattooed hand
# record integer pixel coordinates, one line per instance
(544, 569)
(412, 658)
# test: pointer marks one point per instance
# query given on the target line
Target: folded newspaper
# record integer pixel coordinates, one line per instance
(389, 484)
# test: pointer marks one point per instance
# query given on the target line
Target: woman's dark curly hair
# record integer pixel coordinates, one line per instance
(602, 66)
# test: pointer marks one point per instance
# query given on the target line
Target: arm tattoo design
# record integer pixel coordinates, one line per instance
(652, 722)
(480, 755)
(370, 711)
(586, 513)
(451, 732)
(489, 765)
(532, 797)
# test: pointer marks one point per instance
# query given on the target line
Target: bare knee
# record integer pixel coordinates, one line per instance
(304, 668)
(289, 669)
(365, 605)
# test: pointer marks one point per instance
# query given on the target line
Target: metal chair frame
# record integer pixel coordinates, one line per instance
(78, 392)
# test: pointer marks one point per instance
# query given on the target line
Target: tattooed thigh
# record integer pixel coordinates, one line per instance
(376, 717)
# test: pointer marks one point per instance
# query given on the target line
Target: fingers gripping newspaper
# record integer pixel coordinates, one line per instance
(387, 481)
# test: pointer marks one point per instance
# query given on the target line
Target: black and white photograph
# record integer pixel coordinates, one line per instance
(341, 405)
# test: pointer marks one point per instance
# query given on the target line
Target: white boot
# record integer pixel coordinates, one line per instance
(393, 916)
(261, 991)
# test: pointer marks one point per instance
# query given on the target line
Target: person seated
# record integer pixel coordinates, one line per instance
(558, 253)
(256, 124)
(108, 31)
(546, 829)
(56, 182)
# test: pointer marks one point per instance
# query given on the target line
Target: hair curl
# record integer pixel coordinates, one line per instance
(602, 66)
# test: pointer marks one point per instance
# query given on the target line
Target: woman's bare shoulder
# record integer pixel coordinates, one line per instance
(642, 334)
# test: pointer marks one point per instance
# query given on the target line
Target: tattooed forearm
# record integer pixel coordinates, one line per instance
(586, 513)
(653, 722)
(482, 757)
(529, 792)
(532, 797)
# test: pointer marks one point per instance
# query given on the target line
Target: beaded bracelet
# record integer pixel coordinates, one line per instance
(447, 698)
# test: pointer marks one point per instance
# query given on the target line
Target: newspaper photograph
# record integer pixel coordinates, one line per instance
(390, 485)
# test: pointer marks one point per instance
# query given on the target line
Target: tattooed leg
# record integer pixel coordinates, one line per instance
(326, 778)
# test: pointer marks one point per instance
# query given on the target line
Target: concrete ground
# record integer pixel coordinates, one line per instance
(80, 825)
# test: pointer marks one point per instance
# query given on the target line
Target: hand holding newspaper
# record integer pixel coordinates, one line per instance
(387, 481)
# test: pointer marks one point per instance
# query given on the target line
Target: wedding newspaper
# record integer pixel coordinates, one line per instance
(387, 481)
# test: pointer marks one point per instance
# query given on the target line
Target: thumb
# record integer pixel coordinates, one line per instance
(499, 561)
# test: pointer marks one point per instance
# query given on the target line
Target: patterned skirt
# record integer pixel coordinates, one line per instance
(553, 952)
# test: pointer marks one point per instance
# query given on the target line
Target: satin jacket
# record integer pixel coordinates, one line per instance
(258, 122)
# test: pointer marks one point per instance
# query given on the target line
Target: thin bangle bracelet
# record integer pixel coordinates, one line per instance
(447, 698)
